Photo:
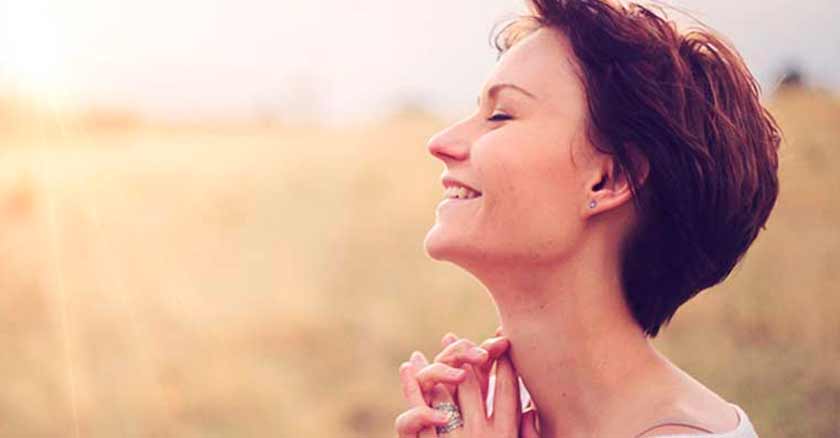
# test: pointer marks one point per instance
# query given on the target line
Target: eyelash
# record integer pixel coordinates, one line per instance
(494, 119)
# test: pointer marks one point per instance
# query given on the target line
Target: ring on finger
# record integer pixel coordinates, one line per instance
(455, 420)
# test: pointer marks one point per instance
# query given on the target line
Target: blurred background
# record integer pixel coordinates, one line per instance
(213, 213)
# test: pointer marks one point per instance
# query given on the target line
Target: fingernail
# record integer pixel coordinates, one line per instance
(495, 339)
(441, 416)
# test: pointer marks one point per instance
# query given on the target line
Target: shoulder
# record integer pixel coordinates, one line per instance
(671, 429)
(683, 406)
(696, 418)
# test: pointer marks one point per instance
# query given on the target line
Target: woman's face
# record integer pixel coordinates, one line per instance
(516, 151)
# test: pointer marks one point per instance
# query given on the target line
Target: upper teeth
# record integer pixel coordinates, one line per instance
(460, 192)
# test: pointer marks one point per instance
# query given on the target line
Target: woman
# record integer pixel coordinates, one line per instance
(614, 168)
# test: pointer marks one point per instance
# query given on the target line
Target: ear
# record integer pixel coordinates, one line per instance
(609, 186)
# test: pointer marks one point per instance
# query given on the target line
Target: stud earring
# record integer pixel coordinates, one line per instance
(592, 204)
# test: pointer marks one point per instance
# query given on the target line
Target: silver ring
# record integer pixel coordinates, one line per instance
(455, 420)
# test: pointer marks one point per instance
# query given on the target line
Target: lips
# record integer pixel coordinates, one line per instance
(449, 181)
(450, 202)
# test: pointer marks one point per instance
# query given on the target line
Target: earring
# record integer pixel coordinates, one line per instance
(592, 204)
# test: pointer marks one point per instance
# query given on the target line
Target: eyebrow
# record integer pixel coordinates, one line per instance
(498, 87)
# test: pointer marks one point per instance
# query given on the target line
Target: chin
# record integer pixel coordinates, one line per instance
(435, 244)
(441, 246)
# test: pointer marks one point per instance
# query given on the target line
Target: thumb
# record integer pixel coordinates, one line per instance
(528, 425)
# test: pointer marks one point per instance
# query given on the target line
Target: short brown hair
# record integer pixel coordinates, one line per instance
(690, 106)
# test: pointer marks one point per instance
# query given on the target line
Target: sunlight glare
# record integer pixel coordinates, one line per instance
(33, 62)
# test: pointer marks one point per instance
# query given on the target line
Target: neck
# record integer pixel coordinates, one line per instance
(574, 342)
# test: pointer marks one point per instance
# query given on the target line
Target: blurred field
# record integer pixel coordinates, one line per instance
(266, 280)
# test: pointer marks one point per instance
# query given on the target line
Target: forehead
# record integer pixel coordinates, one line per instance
(542, 63)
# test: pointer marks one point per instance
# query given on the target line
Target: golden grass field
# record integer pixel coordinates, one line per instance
(266, 281)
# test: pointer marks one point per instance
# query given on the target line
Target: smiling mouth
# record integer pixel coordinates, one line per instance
(460, 193)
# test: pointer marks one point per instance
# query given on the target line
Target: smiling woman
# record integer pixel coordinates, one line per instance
(623, 166)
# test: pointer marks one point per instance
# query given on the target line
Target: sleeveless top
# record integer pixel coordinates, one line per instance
(744, 429)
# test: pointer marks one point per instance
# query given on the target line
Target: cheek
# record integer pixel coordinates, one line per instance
(530, 190)
(531, 171)
(555, 183)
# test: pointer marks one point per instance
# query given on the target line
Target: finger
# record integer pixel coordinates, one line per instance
(528, 427)
(419, 360)
(436, 373)
(448, 339)
(413, 421)
(499, 331)
(495, 347)
(506, 403)
(411, 390)
(437, 395)
(460, 351)
(469, 399)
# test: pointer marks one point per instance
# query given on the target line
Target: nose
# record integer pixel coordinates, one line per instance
(449, 144)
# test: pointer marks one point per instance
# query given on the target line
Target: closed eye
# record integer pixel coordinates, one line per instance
(499, 117)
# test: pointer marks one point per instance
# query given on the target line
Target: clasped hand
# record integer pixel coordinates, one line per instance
(460, 374)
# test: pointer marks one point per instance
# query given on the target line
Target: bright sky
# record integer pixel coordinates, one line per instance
(340, 59)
